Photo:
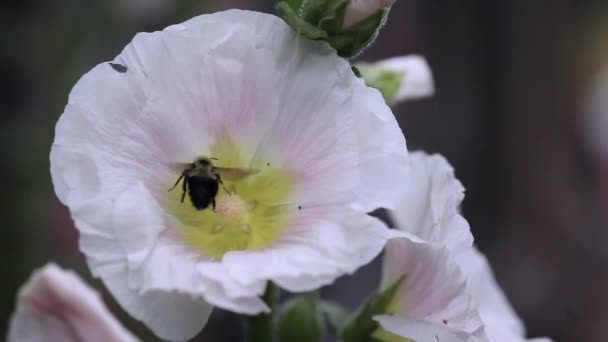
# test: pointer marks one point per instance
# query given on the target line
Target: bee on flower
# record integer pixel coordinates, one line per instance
(243, 88)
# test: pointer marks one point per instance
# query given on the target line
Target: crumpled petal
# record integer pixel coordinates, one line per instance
(56, 305)
(430, 201)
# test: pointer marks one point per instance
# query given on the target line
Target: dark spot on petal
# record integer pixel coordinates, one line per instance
(119, 67)
(299, 207)
(445, 322)
(267, 164)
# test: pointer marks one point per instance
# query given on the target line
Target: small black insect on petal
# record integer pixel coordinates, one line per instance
(119, 67)
(445, 322)
(299, 207)
(267, 164)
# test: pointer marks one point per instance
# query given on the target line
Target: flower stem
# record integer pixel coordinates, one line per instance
(261, 327)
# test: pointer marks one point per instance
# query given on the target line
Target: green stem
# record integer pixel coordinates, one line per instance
(261, 327)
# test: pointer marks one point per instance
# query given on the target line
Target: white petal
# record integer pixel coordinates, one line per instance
(170, 315)
(489, 298)
(383, 158)
(501, 322)
(434, 288)
(55, 305)
(312, 255)
(429, 206)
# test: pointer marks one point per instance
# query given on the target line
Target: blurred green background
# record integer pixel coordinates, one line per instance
(510, 79)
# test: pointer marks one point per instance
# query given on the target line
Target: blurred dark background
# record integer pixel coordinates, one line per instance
(511, 80)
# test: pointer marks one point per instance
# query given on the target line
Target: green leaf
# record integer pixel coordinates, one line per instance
(360, 326)
(300, 320)
(386, 81)
(334, 316)
(355, 39)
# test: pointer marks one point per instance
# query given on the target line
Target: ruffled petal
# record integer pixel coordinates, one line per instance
(312, 255)
(430, 201)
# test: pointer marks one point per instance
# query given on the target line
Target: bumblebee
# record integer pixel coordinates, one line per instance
(201, 180)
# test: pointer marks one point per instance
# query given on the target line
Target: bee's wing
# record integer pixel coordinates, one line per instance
(234, 174)
(180, 167)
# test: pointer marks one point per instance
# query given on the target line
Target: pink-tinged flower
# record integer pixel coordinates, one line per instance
(359, 10)
(318, 148)
(429, 210)
(56, 305)
(432, 302)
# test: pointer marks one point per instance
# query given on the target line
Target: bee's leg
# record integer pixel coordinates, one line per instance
(184, 190)
(179, 179)
(213, 205)
(219, 180)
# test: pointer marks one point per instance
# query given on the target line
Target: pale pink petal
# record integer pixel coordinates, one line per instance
(420, 330)
(434, 289)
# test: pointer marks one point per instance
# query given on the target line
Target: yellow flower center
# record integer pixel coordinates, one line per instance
(250, 212)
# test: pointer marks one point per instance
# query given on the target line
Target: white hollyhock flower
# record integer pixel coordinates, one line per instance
(56, 305)
(429, 210)
(243, 88)
(400, 78)
(432, 302)
(359, 10)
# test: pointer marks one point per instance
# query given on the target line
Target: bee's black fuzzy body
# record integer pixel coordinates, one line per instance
(202, 191)
(201, 181)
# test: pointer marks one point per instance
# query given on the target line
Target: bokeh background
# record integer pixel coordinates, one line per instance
(511, 114)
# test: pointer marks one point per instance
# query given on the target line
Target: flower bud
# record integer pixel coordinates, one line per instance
(349, 26)
(359, 10)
